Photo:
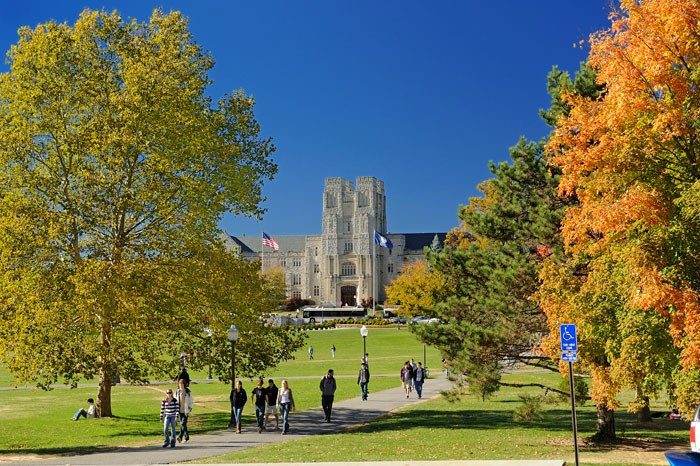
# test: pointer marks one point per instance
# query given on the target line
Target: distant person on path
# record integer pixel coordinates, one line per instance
(259, 400)
(271, 408)
(285, 400)
(185, 402)
(89, 413)
(413, 371)
(406, 377)
(183, 375)
(327, 387)
(333, 351)
(238, 400)
(311, 352)
(169, 410)
(418, 379)
(363, 380)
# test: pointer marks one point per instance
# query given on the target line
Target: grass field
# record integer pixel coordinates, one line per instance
(38, 422)
(472, 429)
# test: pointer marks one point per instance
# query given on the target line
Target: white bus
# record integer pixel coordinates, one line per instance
(312, 315)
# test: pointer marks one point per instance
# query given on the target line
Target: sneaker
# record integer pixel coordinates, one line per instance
(179, 440)
(187, 439)
(172, 445)
(259, 430)
(165, 445)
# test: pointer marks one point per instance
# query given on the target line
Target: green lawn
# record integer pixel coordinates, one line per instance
(38, 422)
(472, 429)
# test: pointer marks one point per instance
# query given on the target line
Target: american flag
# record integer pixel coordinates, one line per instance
(270, 242)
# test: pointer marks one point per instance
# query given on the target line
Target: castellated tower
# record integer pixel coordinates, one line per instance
(335, 267)
(350, 216)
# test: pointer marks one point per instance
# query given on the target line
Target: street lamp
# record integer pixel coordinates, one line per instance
(209, 333)
(233, 337)
(364, 331)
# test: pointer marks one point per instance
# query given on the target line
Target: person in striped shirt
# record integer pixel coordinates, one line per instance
(169, 411)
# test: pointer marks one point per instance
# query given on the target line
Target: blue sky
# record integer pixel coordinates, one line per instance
(421, 94)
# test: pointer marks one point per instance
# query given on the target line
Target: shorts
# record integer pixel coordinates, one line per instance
(271, 409)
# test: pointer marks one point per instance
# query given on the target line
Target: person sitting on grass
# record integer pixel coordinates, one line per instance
(90, 413)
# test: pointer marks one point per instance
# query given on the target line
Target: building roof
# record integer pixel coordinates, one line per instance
(417, 241)
(253, 244)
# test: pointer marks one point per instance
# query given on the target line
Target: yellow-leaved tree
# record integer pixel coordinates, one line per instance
(115, 169)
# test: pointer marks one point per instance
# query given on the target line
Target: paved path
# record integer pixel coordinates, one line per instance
(346, 414)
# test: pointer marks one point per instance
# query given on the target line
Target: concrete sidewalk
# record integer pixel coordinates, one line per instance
(346, 414)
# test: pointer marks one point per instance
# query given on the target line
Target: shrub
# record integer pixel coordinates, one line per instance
(529, 410)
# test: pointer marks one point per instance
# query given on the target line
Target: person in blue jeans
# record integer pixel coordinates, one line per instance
(285, 401)
(418, 379)
(363, 380)
(259, 394)
(169, 410)
(238, 401)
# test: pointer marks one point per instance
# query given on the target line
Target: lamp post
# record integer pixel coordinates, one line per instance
(364, 331)
(233, 337)
(209, 333)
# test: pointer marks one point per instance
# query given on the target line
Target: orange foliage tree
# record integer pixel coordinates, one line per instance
(631, 276)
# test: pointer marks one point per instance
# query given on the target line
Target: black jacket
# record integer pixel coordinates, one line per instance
(238, 399)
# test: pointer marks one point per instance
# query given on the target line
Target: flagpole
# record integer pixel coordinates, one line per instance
(374, 273)
(262, 251)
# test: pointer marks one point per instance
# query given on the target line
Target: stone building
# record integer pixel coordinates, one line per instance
(335, 267)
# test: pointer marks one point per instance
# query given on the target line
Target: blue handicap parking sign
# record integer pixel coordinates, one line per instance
(567, 335)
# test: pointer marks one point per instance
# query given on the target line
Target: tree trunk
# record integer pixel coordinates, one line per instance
(104, 391)
(644, 413)
(104, 394)
(605, 425)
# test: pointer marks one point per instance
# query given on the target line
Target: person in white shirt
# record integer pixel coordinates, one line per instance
(90, 413)
(285, 401)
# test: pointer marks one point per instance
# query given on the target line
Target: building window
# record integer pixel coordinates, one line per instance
(316, 251)
(348, 246)
(296, 279)
(283, 263)
(296, 262)
(348, 227)
(317, 268)
(317, 290)
(296, 294)
(347, 269)
(391, 267)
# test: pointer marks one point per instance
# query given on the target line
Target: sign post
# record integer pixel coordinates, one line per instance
(569, 347)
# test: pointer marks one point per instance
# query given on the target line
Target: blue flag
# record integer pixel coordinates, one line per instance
(382, 241)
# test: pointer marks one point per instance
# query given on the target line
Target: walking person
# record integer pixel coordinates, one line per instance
(259, 400)
(406, 377)
(418, 379)
(285, 400)
(363, 380)
(413, 371)
(327, 387)
(185, 403)
(311, 353)
(238, 400)
(169, 410)
(333, 351)
(271, 408)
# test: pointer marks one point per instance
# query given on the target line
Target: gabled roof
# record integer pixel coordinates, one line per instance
(417, 241)
(253, 244)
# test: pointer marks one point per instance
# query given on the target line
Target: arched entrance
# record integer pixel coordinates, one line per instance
(348, 295)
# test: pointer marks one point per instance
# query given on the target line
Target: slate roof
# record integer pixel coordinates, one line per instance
(253, 244)
(417, 241)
